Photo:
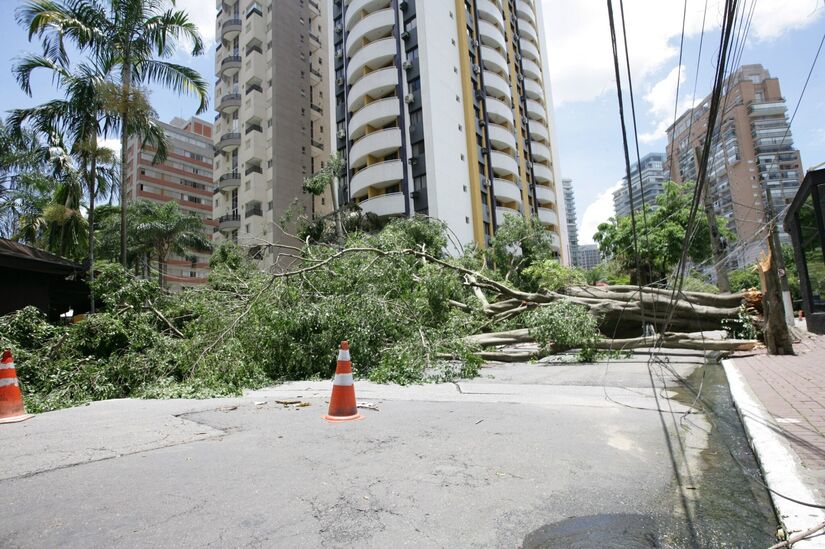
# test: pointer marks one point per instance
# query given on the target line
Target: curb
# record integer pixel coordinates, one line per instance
(779, 463)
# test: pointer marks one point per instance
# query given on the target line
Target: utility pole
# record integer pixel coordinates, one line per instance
(777, 335)
(715, 236)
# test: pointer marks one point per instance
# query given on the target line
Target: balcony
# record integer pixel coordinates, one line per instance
(229, 181)
(497, 86)
(229, 222)
(358, 9)
(384, 205)
(377, 144)
(229, 103)
(528, 49)
(376, 114)
(539, 132)
(317, 110)
(491, 35)
(501, 138)
(525, 11)
(374, 26)
(253, 209)
(230, 65)
(493, 60)
(545, 195)
(230, 29)
(535, 110)
(375, 85)
(373, 56)
(527, 30)
(229, 142)
(380, 175)
(488, 11)
(504, 164)
(542, 173)
(531, 69)
(315, 76)
(507, 191)
(548, 216)
(499, 112)
(314, 41)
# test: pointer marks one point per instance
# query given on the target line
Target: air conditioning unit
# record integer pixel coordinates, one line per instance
(415, 194)
(339, 53)
(338, 28)
(407, 65)
(529, 164)
(409, 98)
(412, 160)
(341, 134)
(405, 35)
(521, 77)
(484, 182)
(403, 5)
(475, 42)
(476, 68)
(339, 81)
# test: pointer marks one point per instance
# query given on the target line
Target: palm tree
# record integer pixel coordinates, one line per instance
(75, 123)
(135, 36)
(166, 229)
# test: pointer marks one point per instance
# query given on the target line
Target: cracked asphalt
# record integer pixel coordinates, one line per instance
(492, 462)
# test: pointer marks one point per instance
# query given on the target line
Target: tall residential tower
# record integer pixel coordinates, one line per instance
(272, 127)
(651, 177)
(572, 222)
(752, 151)
(444, 108)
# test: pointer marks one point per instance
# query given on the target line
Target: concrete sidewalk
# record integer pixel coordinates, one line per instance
(781, 400)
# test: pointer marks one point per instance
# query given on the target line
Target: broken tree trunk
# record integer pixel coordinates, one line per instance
(691, 341)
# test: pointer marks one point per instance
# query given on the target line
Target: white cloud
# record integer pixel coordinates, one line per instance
(202, 14)
(578, 38)
(596, 213)
(111, 143)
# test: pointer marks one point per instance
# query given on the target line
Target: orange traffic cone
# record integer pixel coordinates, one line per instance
(342, 406)
(11, 399)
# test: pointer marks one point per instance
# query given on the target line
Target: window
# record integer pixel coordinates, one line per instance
(420, 182)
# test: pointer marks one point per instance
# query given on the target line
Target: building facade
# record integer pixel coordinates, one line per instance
(589, 256)
(272, 128)
(444, 109)
(185, 177)
(751, 151)
(572, 222)
(651, 177)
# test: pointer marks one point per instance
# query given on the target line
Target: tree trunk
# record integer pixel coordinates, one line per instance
(715, 236)
(161, 267)
(339, 227)
(124, 137)
(92, 192)
(777, 335)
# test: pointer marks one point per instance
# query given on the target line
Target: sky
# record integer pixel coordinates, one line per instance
(784, 36)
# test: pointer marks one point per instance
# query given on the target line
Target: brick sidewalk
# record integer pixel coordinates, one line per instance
(792, 389)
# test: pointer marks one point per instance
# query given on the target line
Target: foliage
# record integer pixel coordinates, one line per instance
(744, 278)
(517, 244)
(697, 282)
(551, 275)
(563, 325)
(608, 271)
(742, 327)
(660, 240)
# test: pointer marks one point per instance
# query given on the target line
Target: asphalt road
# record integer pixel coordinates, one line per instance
(526, 455)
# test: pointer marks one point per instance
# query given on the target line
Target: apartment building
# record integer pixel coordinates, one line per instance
(272, 128)
(444, 108)
(589, 256)
(572, 222)
(185, 177)
(752, 150)
(651, 177)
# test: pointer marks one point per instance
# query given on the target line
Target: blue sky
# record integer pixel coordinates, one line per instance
(784, 36)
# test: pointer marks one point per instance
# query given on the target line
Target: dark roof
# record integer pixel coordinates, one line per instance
(15, 255)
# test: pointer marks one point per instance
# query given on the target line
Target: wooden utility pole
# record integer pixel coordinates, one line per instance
(777, 335)
(715, 236)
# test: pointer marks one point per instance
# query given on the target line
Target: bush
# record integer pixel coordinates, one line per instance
(551, 275)
(563, 325)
